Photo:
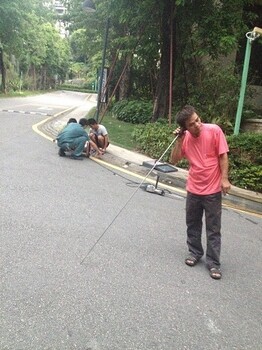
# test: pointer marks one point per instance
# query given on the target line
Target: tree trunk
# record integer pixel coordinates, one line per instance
(160, 109)
(124, 86)
(3, 71)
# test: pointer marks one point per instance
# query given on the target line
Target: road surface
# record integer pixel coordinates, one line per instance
(133, 291)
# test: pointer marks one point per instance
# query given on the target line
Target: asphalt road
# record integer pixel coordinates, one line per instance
(133, 291)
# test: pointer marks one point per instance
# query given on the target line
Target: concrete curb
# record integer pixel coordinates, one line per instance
(237, 198)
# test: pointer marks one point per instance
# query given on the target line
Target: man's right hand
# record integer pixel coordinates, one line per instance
(179, 132)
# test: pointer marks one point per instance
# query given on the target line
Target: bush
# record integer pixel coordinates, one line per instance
(153, 139)
(245, 157)
(249, 178)
(135, 112)
(245, 161)
(70, 87)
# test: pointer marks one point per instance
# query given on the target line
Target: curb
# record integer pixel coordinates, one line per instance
(238, 198)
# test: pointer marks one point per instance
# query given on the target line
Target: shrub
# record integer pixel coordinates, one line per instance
(245, 161)
(245, 157)
(135, 112)
(70, 87)
(249, 178)
(246, 147)
(153, 139)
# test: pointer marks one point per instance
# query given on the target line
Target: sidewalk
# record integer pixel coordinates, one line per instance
(133, 161)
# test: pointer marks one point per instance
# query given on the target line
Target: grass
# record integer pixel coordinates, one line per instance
(119, 132)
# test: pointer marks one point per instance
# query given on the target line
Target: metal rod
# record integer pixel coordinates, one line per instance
(129, 199)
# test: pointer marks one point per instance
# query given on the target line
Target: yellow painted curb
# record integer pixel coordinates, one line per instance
(125, 171)
(35, 128)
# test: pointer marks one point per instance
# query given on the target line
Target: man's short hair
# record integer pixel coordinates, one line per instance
(72, 120)
(83, 122)
(185, 113)
(91, 121)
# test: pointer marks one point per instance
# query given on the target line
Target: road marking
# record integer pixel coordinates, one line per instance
(46, 108)
(36, 126)
(171, 188)
(23, 112)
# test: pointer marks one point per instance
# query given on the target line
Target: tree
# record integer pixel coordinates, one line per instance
(10, 24)
(140, 39)
(163, 81)
(28, 35)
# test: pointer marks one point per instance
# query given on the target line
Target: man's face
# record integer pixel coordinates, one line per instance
(94, 126)
(193, 125)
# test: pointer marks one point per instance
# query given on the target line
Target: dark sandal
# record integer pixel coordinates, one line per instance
(191, 261)
(215, 273)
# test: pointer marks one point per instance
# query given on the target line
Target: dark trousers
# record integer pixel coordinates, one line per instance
(195, 207)
(77, 145)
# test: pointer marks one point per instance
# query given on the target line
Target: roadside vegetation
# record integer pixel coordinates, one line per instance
(146, 85)
(152, 139)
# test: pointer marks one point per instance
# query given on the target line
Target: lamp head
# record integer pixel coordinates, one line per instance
(89, 6)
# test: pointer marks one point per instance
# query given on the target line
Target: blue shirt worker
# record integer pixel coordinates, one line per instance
(73, 138)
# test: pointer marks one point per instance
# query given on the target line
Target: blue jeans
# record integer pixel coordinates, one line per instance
(195, 207)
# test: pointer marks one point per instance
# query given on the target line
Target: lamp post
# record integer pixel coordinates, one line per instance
(251, 36)
(89, 6)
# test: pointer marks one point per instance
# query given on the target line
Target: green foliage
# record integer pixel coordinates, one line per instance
(71, 87)
(249, 178)
(33, 48)
(136, 112)
(246, 161)
(216, 95)
(78, 69)
(218, 25)
(246, 148)
(153, 139)
(245, 157)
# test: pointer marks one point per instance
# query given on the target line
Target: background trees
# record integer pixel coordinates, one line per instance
(201, 38)
(204, 35)
(32, 53)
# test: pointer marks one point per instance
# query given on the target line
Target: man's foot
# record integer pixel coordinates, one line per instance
(76, 157)
(215, 273)
(92, 152)
(191, 260)
(61, 152)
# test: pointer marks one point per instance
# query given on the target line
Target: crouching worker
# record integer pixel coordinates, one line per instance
(98, 134)
(73, 138)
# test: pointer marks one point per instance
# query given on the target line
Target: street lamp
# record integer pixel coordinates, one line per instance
(89, 6)
(251, 36)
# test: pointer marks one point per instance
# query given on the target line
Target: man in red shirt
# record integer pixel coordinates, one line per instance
(205, 147)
